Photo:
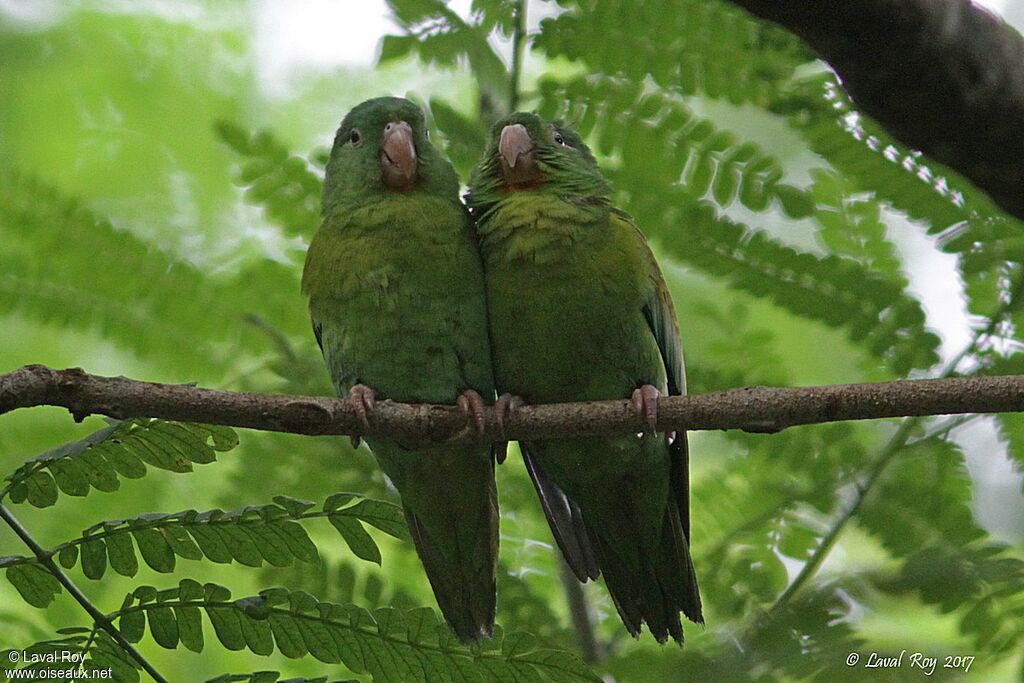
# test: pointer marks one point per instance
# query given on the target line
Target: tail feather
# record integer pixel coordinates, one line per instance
(565, 519)
(464, 584)
(678, 528)
(663, 586)
(650, 581)
(622, 589)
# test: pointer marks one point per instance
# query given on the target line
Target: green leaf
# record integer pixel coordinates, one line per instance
(228, 627)
(164, 626)
(132, 626)
(710, 48)
(36, 586)
(464, 138)
(190, 627)
(924, 498)
(155, 549)
(442, 37)
(94, 558)
(109, 658)
(240, 544)
(287, 636)
(336, 501)
(294, 506)
(68, 556)
(121, 554)
(360, 542)
(387, 517)
(258, 634)
(297, 540)
(181, 543)
(211, 543)
(233, 136)
(282, 184)
(387, 645)
(42, 490)
(70, 476)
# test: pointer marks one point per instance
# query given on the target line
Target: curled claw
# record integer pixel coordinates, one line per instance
(504, 407)
(364, 400)
(645, 403)
(472, 405)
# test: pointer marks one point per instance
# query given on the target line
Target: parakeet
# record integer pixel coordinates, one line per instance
(578, 311)
(396, 297)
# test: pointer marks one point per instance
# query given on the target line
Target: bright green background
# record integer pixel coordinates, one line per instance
(140, 237)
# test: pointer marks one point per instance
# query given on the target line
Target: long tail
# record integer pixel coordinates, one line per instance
(651, 585)
(664, 586)
(460, 558)
(565, 519)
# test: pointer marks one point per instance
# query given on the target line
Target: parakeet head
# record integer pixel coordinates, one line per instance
(528, 153)
(382, 147)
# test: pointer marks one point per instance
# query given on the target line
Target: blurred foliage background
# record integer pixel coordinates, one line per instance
(159, 178)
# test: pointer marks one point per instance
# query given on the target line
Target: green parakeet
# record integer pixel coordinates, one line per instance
(396, 297)
(578, 311)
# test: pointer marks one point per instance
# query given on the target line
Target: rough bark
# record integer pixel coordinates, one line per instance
(942, 76)
(755, 409)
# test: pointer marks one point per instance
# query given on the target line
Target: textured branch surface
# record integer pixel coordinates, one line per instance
(942, 76)
(757, 409)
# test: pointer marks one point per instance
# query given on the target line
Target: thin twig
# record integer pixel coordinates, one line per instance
(828, 541)
(888, 454)
(99, 619)
(757, 409)
(591, 649)
(518, 40)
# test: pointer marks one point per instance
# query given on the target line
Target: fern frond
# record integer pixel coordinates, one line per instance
(753, 514)
(388, 644)
(253, 535)
(980, 581)
(170, 305)
(438, 35)
(121, 450)
(695, 46)
(267, 677)
(91, 652)
(819, 109)
(923, 499)
(851, 225)
(279, 181)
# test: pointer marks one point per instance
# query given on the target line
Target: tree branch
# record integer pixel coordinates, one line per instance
(756, 409)
(100, 620)
(943, 76)
(518, 40)
(592, 650)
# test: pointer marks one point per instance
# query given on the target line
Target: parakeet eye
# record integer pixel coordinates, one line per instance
(355, 137)
(559, 140)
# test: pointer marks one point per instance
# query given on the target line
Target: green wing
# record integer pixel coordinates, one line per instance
(657, 307)
(661, 319)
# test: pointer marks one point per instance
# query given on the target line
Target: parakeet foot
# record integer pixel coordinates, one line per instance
(365, 400)
(645, 403)
(472, 405)
(504, 407)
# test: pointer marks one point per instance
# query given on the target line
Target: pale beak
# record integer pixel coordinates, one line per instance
(516, 150)
(515, 143)
(398, 156)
